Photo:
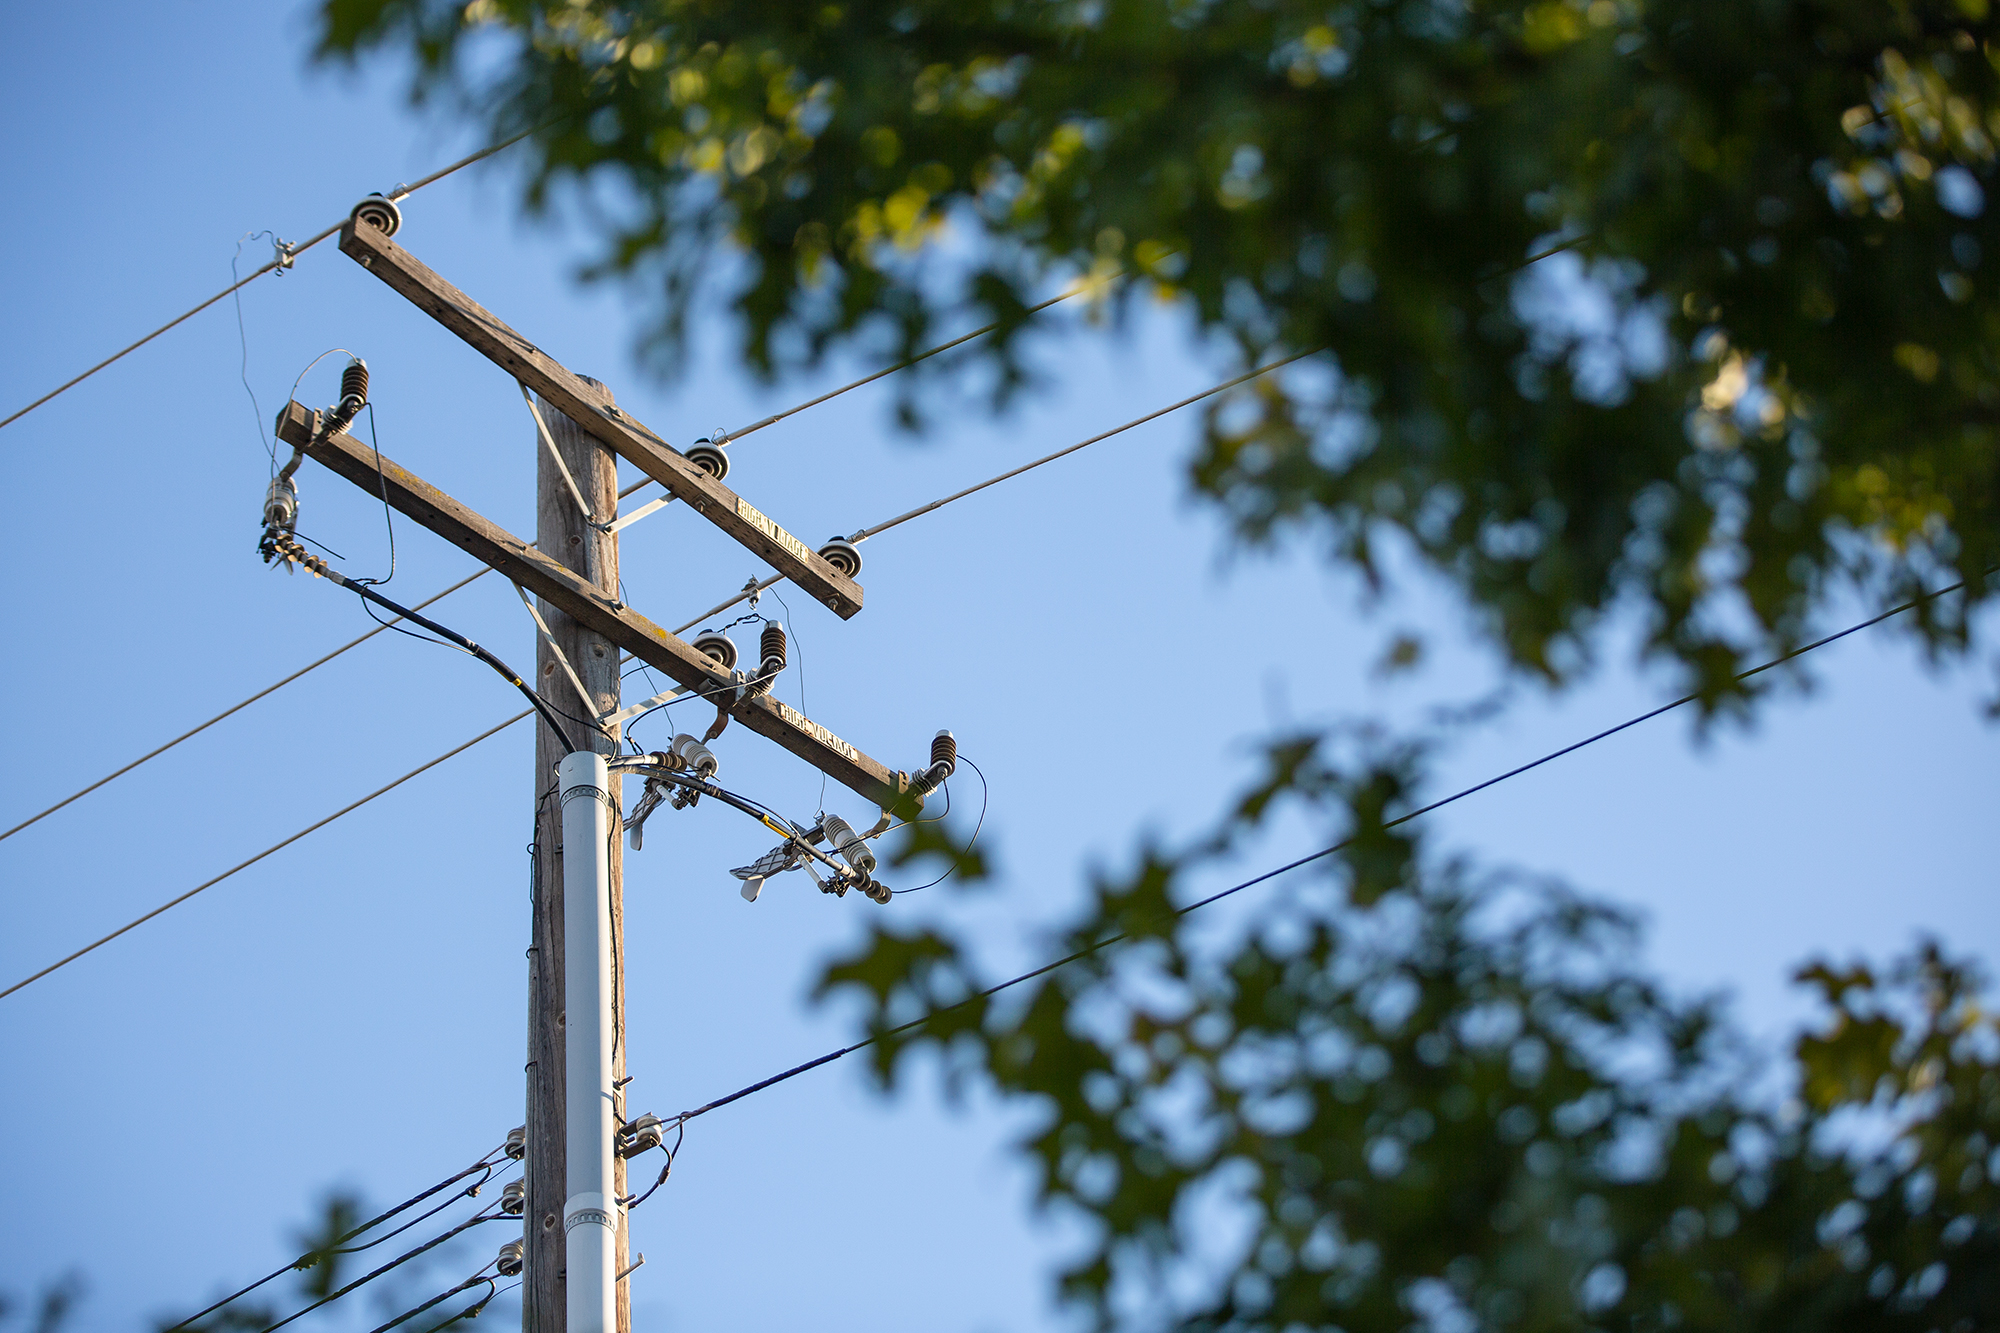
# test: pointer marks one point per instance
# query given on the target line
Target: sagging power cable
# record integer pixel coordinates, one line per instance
(471, 1311)
(491, 1215)
(286, 254)
(1305, 860)
(485, 1164)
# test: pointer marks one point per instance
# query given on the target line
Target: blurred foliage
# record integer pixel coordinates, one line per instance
(322, 1267)
(1404, 1096)
(1763, 369)
(51, 1308)
(1671, 308)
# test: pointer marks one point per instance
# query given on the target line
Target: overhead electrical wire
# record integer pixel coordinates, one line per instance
(760, 587)
(1076, 289)
(709, 789)
(1305, 860)
(283, 259)
(485, 1163)
(469, 1312)
(393, 1264)
(233, 708)
(755, 587)
(863, 534)
(274, 847)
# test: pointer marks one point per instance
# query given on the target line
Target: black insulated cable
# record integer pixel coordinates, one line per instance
(485, 1163)
(367, 593)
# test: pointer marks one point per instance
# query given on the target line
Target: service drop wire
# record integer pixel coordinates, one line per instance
(1309, 857)
(680, 1133)
(485, 1163)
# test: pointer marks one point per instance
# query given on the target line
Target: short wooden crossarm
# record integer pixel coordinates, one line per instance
(516, 560)
(593, 410)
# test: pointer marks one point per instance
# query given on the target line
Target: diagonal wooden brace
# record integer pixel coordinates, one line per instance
(516, 560)
(591, 409)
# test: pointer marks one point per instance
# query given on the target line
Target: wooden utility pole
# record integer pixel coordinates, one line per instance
(572, 570)
(563, 533)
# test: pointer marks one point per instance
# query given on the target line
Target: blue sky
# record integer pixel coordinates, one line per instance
(349, 1013)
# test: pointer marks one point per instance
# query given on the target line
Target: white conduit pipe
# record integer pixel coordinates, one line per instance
(590, 1220)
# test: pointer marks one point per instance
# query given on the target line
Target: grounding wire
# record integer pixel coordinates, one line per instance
(485, 1163)
(274, 847)
(281, 260)
(1305, 860)
(234, 708)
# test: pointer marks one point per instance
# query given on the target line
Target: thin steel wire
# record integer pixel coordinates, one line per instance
(280, 261)
(234, 708)
(865, 533)
(730, 437)
(274, 847)
(1307, 859)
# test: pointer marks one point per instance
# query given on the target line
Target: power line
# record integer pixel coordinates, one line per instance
(234, 708)
(1307, 859)
(469, 1312)
(283, 260)
(363, 588)
(277, 846)
(760, 587)
(397, 1262)
(732, 436)
(485, 1163)
(775, 418)
(863, 534)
